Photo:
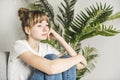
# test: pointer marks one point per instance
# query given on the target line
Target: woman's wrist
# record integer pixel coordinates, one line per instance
(82, 60)
(80, 57)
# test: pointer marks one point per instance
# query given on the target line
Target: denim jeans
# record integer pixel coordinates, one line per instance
(69, 74)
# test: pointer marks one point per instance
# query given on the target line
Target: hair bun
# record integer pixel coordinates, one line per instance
(22, 12)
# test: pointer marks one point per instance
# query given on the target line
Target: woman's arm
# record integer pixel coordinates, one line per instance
(68, 48)
(49, 66)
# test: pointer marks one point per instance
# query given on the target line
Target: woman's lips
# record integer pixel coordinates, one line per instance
(44, 34)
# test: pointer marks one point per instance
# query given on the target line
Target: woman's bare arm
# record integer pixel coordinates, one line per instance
(68, 48)
(49, 66)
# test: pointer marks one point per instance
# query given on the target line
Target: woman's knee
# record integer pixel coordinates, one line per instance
(51, 56)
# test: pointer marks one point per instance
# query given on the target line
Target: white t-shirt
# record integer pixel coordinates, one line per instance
(18, 69)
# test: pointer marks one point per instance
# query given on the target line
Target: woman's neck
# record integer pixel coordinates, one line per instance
(34, 44)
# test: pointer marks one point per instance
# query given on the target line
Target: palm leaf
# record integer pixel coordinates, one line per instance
(115, 16)
(67, 12)
(110, 31)
(85, 25)
(94, 15)
(97, 30)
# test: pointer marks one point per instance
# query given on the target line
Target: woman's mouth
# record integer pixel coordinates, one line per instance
(44, 34)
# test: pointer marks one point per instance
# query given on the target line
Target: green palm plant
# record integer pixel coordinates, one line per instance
(76, 28)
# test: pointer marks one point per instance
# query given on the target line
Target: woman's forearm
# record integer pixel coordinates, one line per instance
(68, 48)
(49, 66)
(61, 65)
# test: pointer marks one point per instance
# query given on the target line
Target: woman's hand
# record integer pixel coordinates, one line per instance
(79, 66)
(82, 64)
(53, 34)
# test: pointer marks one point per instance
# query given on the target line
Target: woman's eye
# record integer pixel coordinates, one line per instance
(47, 25)
(39, 25)
(42, 25)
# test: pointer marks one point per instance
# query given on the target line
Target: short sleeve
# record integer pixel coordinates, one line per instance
(20, 47)
(53, 50)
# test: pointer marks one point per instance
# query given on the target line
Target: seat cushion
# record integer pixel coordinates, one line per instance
(3, 65)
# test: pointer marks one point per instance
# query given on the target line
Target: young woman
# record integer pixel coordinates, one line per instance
(31, 59)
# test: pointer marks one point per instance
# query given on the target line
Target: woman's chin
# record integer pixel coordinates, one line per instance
(44, 38)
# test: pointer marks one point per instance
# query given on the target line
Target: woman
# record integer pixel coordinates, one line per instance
(31, 59)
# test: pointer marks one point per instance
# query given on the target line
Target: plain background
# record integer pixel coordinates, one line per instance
(107, 66)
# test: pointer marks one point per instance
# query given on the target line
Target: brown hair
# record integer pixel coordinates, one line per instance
(30, 17)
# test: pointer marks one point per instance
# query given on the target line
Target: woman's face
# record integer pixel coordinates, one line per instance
(39, 31)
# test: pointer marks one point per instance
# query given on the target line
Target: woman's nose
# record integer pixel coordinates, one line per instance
(45, 29)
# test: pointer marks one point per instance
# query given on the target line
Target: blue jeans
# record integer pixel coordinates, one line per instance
(69, 74)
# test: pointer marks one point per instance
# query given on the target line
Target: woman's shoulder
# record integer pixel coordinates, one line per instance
(20, 41)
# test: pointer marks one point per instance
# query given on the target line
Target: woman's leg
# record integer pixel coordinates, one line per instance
(70, 74)
(38, 75)
(55, 76)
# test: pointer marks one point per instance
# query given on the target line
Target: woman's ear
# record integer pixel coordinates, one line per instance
(27, 30)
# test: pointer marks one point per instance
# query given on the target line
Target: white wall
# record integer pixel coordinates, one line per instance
(10, 26)
(107, 67)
